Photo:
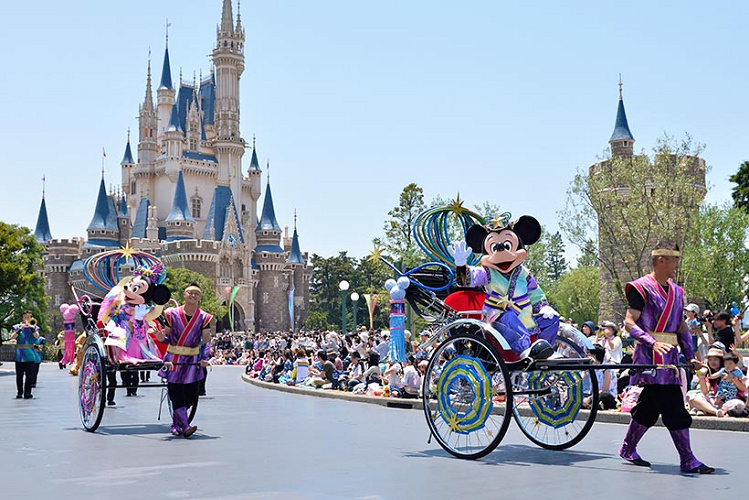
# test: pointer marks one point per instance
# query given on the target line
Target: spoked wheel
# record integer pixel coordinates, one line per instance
(547, 404)
(92, 385)
(467, 396)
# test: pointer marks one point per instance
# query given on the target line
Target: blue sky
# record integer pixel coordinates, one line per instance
(351, 101)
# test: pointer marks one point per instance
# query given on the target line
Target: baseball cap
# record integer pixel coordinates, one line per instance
(693, 308)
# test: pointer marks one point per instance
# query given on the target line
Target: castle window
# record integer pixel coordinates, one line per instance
(265, 297)
(196, 206)
(132, 187)
(626, 144)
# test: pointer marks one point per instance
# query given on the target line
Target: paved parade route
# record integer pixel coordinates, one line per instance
(253, 443)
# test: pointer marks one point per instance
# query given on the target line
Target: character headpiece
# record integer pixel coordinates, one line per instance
(665, 252)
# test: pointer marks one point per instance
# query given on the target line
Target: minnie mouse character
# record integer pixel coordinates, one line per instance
(127, 310)
(515, 305)
(69, 312)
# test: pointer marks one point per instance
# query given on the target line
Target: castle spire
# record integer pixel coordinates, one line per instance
(180, 209)
(42, 232)
(295, 255)
(254, 163)
(128, 156)
(148, 101)
(268, 220)
(227, 18)
(166, 72)
(105, 217)
(174, 124)
(621, 141)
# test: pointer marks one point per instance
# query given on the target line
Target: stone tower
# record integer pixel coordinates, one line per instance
(685, 196)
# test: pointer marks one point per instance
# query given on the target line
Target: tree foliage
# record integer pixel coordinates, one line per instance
(715, 267)
(556, 264)
(740, 192)
(177, 279)
(576, 294)
(398, 228)
(21, 284)
(626, 204)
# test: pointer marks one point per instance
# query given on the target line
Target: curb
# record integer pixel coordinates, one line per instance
(611, 417)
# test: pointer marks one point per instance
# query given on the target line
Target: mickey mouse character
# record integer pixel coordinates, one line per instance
(127, 310)
(515, 305)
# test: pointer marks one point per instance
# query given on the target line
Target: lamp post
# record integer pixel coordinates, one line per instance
(343, 285)
(355, 300)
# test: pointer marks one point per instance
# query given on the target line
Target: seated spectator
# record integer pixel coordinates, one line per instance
(355, 373)
(607, 387)
(589, 330)
(301, 366)
(721, 386)
(322, 376)
(411, 378)
(611, 343)
(373, 374)
(393, 377)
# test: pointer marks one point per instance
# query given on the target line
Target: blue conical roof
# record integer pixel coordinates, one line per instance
(180, 210)
(295, 256)
(42, 233)
(166, 73)
(141, 219)
(105, 216)
(216, 219)
(268, 220)
(254, 164)
(128, 156)
(122, 209)
(174, 122)
(621, 127)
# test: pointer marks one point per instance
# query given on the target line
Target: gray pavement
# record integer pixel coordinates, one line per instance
(255, 443)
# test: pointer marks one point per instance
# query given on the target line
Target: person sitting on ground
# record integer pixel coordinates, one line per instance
(607, 384)
(373, 375)
(393, 377)
(411, 378)
(709, 377)
(322, 376)
(355, 374)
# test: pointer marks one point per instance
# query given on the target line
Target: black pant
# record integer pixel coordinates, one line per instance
(30, 369)
(664, 400)
(111, 383)
(201, 383)
(183, 395)
(130, 381)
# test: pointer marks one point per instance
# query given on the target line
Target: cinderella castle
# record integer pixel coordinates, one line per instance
(189, 200)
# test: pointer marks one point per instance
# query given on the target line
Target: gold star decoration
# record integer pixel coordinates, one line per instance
(127, 252)
(500, 221)
(456, 206)
(376, 253)
(453, 422)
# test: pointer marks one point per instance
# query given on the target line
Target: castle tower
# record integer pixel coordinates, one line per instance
(174, 139)
(180, 224)
(299, 275)
(42, 232)
(123, 220)
(127, 165)
(251, 187)
(622, 142)
(165, 94)
(228, 61)
(148, 148)
(103, 231)
(271, 296)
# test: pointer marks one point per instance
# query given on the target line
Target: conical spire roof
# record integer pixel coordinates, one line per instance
(216, 219)
(295, 255)
(128, 156)
(180, 209)
(122, 208)
(166, 72)
(141, 219)
(42, 232)
(268, 220)
(227, 24)
(254, 164)
(174, 123)
(105, 216)
(621, 127)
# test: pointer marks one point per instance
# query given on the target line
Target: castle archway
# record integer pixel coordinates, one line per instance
(239, 316)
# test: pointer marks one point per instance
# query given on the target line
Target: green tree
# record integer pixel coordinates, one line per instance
(21, 284)
(177, 279)
(588, 254)
(715, 267)
(626, 204)
(555, 261)
(740, 192)
(398, 228)
(576, 294)
(325, 294)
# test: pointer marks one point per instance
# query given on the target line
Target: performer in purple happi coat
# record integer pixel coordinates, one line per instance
(654, 320)
(186, 331)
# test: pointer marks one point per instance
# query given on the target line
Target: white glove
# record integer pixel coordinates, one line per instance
(460, 253)
(140, 312)
(548, 312)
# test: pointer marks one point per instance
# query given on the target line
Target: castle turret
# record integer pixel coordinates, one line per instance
(152, 229)
(148, 148)
(228, 60)
(299, 275)
(103, 231)
(622, 142)
(127, 166)
(180, 224)
(174, 138)
(123, 220)
(165, 94)
(42, 232)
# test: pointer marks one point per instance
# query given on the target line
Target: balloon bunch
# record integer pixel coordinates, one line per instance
(432, 229)
(103, 269)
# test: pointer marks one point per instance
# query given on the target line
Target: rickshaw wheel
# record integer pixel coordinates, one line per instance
(92, 385)
(467, 396)
(554, 420)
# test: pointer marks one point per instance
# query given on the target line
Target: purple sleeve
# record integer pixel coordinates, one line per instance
(641, 336)
(477, 276)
